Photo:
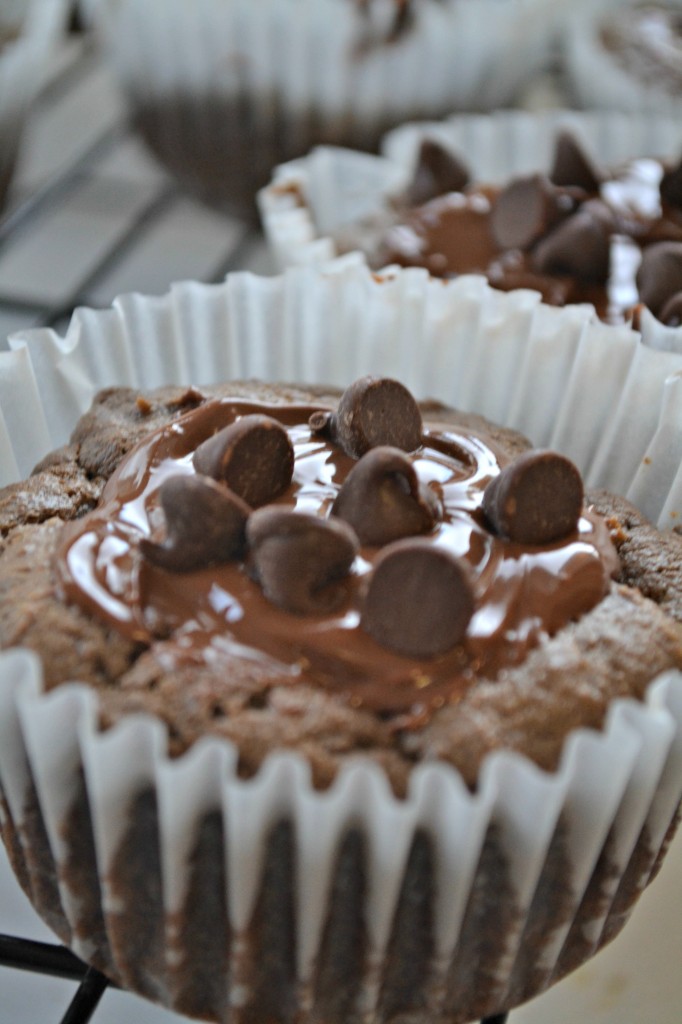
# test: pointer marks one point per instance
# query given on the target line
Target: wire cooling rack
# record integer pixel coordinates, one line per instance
(42, 958)
(91, 215)
(57, 962)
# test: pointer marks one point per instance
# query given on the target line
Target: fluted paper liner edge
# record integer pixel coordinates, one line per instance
(599, 394)
(604, 786)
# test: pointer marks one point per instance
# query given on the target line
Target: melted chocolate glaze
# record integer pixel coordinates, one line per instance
(522, 592)
(452, 234)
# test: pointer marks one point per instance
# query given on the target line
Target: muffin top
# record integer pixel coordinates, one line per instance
(334, 574)
(581, 233)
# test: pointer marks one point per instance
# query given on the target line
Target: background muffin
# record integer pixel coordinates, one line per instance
(557, 165)
(227, 90)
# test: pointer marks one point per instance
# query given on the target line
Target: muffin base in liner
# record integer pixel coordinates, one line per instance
(227, 89)
(217, 896)
(262, 898)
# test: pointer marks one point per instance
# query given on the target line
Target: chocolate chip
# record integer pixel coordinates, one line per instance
(536, 499)
(572, 166)
(383, 499)
(419, 599)
(375, 411)
(660, 274)
(671, 186)
(579, 246)
(205, 525)
(526, 210)
(300, 560)
(253, 456)
(438, 171)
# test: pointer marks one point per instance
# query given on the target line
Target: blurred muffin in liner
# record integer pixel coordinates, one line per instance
(222, 90)
(476, 168)
(625, 56)
(28, 33)
(238, 899)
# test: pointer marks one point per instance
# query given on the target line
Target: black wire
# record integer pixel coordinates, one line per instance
(57, 961)
(86, 999)
(40, 958)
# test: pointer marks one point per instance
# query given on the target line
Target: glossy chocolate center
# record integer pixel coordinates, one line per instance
(520, 591)
(570, 244)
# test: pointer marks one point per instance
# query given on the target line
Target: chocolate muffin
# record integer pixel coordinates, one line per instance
(330, 861)
(626, 57)
(360, 580)
(220, 102)
(645, 39)
(223, 612)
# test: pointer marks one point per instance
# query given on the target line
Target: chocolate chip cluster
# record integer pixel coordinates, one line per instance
(564, 226)
(419, 597)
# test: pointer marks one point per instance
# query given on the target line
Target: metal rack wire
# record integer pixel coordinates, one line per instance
(92, 215)
(57, 961)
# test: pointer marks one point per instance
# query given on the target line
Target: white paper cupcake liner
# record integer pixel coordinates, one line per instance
(35, 27)
(226, 90)
(533, 367)
(596, 78)
(314, 206)
(603, 791)
(219, 896)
